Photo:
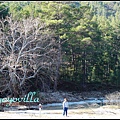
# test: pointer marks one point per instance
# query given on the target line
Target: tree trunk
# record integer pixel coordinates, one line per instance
(84, 70)
(14, 85)
(57, 66)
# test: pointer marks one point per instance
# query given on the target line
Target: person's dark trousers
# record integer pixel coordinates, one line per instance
(65, 111)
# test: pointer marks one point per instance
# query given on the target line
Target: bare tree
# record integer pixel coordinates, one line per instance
(25, 49)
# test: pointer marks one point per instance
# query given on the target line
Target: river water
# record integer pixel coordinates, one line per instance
(83, 104)
(91, 102)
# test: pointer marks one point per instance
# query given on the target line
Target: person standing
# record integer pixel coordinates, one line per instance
(65, 107)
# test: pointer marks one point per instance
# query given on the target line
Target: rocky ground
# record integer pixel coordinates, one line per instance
(57, 97)
(52, 97)
(104, 112)
(101, 112)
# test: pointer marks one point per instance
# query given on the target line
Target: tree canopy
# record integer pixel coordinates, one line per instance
(74, 42)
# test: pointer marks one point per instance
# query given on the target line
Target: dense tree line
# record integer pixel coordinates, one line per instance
(81, 41)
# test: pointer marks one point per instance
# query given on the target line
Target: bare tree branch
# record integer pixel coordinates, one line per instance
(25, 50)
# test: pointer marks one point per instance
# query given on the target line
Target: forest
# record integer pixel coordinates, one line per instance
(59, 45)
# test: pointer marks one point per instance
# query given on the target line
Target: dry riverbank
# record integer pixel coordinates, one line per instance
(100, 112)
(104, 112)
